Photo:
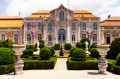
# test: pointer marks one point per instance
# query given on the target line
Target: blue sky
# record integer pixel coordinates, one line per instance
(100, 8)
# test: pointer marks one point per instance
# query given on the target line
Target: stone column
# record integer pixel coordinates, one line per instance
(102, 36)
(78, 33)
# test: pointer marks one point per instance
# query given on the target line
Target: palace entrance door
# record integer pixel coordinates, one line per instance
(61, 36)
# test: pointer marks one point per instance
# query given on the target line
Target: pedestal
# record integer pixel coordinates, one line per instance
(18, 62)
(102, 65)
(86, 50)
(38, 49)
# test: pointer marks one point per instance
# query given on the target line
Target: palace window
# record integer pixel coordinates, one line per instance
(28, 26)
(50, 27)
(84, 26)
(15, 37)
(73, 37)
(39, 26)
(39, 36)
(61, 15)
(94, 26)
(3, 37)
(29, 38)
(83, 35)
(95, 38)
(49, 37)
(73, 26)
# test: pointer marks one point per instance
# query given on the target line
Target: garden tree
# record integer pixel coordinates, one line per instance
(94, 53)
(94, 45)
(83, 40)
(79, 44)
(7, 43)
(118, 59)
(79, 55)
(72, 49)
(57, 46)
(68, 46)
(41, 41)
(45, 53)
(114, 49)
(7, 56)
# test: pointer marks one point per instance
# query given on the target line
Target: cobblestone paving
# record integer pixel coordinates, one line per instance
(60, 72)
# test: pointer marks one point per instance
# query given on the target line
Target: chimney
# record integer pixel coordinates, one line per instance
(109, 16)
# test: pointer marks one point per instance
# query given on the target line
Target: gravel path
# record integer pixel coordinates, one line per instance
(60, 72)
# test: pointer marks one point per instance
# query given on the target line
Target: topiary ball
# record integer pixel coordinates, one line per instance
(41, 41)
(7, 56)
(118, 59)
(79, 53)
(57, 46)
(72, 49)
(68, 46)
(94, 53)
(79, 44)
(52, 50)
(41, 45)
(45, 53)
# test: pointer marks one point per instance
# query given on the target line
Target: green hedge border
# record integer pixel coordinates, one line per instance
(91, 65)
(30, 64)
(4, 69)
(40, 64)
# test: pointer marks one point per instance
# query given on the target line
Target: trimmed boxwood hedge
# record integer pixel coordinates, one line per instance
(4, 69)
(40, 64)
(92, 65)
(82, 65)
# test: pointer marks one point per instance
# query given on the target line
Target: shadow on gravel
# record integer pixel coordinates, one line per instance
(93, 73)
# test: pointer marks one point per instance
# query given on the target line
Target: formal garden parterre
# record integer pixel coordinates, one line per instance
(77, 60)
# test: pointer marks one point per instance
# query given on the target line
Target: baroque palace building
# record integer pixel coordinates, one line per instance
(60, 25)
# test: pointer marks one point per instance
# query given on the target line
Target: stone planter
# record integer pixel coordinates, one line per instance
(102, 64)
(18, 62)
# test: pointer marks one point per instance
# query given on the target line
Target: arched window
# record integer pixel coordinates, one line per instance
(73, 26)
(49, 37)
(84, 26)
(50, 27)
(61, 15)
(94, 26)
(28, 26)
(39, 26)
(73, 37)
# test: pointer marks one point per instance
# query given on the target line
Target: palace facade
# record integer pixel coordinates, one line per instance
(60, 25)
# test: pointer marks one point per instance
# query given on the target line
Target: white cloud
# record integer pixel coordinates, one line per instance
(97, 7)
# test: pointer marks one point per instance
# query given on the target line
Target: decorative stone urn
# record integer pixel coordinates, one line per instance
(18, 62)
(102, 64)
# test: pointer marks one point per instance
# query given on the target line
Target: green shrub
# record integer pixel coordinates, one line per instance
(28, 52)
(4, 69)
(41, 41)
(79, 53)
(82, 65)
(78, 59)
(7, 56)
(30, 46)
(25, 56)
(35, 57)
(40, 64)
(41, 45)
(7, 43)
(57, 46)
(83, 40)
(118, 59)
(1, 44)
(79, 44)
(68, 46)
(94, 45)
(72, 49)
(114, 49)
(52, 50)
(45, 53)
(94, 53)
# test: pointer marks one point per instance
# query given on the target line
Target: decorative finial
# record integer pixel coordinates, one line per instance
(19, 13)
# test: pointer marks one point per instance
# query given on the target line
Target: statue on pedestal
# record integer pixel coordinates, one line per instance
(86, 49)
(38, 49)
